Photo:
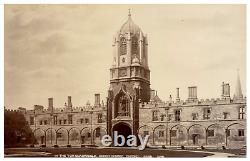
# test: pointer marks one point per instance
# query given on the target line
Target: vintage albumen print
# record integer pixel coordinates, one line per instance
(125, 80)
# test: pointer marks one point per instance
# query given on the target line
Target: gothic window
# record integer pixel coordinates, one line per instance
(161, 134)
(241, 132)
(177, 115)
(81, 120)
(170, 117)
(173, 133)
(162, 117)
(225, 115)
(155, 116)
(99, 118)
(88, 135)
(206, 113)
(210, 133)
(241, 112)
(134, 46)
(45, 122)
(64, 121)
(70, 119)
(31, 120)
(55, 120)
(122, 105)
(86, 120)
(195, 116)
(123, 46)
(58, 135)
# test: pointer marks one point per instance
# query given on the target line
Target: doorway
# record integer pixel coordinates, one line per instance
(42, 140)
(124, 130)
(195, 139)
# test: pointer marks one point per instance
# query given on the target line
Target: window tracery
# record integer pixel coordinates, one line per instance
(123, 46)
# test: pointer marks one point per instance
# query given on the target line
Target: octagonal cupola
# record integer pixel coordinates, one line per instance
(130, 45)
(130, 27)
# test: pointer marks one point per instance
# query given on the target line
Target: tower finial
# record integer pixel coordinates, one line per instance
(238, 92)
(129, 14)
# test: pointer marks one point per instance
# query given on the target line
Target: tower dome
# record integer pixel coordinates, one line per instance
(130, 26)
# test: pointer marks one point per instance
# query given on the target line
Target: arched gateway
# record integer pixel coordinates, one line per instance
(122, 129)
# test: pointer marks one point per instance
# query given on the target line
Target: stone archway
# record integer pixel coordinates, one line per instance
(196, 134)
(122, 129)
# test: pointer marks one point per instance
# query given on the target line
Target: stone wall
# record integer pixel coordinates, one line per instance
(165, 130)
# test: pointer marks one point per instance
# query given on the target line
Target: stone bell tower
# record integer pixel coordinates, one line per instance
(129, 79)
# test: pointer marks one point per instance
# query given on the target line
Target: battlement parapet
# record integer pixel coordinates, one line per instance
(196, 102)
(11, 110)
(20, 110)
(62, 110)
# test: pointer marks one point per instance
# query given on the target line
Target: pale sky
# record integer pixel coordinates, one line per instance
(61, 50)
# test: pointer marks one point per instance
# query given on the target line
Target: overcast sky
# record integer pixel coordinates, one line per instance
(60, 50)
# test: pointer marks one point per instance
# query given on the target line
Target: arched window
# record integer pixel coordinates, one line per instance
(123, 46)
(135, 46)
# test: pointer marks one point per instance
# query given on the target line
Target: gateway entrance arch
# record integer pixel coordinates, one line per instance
(122, 129)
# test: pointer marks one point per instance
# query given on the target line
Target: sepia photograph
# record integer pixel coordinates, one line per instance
(125, 80)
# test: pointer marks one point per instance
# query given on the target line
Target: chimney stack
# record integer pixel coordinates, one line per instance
(177, 94)
(192, 93)
(225, 90)
(50, 104)
(97, 99)
(69, 102)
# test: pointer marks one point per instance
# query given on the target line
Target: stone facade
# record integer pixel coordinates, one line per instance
(215, 122)
(133, 108)
(68, 126)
